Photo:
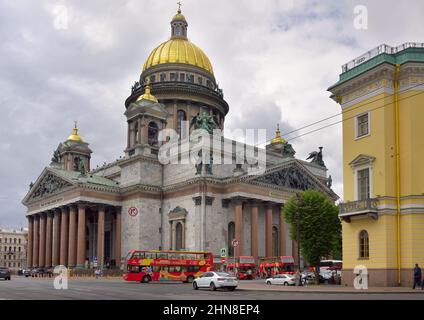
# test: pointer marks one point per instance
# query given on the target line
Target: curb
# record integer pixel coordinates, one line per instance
(337, 292)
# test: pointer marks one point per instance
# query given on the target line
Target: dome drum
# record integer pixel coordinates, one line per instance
(168, 91)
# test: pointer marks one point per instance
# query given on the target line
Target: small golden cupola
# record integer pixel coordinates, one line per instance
(278, 138)
(147, 95)
(74, 136)
(178, 49)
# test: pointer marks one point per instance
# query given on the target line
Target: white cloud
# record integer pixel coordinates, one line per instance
(274, 59)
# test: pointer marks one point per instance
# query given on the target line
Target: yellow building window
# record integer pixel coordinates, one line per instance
(364, 245)
(363, 184)
(362, 125)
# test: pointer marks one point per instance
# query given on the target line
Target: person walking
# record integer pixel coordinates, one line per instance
(417, 276)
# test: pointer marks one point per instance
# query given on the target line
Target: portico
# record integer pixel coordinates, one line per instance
(253, 207)
(92, 234)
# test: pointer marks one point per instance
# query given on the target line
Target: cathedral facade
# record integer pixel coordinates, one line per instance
(80, 217)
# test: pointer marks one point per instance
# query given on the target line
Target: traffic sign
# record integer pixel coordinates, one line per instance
(235, 242)
(132, 211)
(223, 252)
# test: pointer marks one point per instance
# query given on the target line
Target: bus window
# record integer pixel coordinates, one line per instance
(150, 255)
(162, 255)
(156, 268)
(134, 269)
(139, 255)
(177, 268)
(192, 268)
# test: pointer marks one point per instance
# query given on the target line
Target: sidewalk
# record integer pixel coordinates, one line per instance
(336, 289)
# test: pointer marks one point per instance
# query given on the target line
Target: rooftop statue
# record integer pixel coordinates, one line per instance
(207, 123)
(81, 167)
(56, 156)
(316, 157)
(288, 150)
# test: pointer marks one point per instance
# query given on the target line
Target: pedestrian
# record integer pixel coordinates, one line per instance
(298, 278)
(417, 276)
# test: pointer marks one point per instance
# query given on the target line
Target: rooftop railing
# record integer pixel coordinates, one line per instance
(384, 48)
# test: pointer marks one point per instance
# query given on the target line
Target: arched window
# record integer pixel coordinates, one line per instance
(153, 134)
(179, 236)
(76, 163)
(364, 244)
(231, 236)
(181, 123)
(275, 246)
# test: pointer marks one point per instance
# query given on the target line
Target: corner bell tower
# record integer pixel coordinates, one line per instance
(73, 154)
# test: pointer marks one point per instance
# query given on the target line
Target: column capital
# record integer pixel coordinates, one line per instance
(254, 202)
(238, 200)
(81, 205)
(197, 200)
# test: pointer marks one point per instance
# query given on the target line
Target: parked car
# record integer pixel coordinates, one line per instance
(215, 280)
(325, 277)
(282, 279)
(26, 272)
(41, 272)
(4, 273)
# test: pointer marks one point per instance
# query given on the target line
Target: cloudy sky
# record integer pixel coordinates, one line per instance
(274, 59)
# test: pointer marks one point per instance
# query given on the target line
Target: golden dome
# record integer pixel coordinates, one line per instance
(147, 95)
(178, 50)
(278, 138)
(74, 136)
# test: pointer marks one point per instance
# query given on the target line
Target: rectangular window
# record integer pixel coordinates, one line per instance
(190, 78)
(362, 125)
(200, 80)
(152, 78)
(363, 184)
(182, 76)
(173, 76)
(163, 77)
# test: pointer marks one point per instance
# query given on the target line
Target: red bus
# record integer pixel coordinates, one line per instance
(270, 266)
(245, 267)
(154, 265)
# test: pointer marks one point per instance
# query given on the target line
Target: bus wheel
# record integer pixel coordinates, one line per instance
(190, 279)
(146, 279)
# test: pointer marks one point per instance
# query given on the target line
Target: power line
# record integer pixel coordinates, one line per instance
(336, 115)
(334, 123)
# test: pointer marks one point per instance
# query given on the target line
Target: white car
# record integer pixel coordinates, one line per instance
(284, 279)
(214, 280)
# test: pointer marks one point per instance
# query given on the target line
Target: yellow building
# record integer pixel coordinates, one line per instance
(382, 98)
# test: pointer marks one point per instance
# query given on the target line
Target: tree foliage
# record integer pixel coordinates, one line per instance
(319, 225)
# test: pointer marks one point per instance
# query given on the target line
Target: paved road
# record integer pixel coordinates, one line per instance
(42, 289)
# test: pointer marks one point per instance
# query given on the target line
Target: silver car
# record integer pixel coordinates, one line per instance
(214, 280)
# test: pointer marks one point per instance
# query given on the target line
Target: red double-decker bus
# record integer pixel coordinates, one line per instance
(245, 267)
(154, 265)
(270, 266)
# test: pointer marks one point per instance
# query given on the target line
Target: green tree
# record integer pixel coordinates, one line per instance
(319, 225)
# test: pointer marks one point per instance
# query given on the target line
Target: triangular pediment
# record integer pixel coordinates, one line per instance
(47, 184)
(292, 175)
(361, 160)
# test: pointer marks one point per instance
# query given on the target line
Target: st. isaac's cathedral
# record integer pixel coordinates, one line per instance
(78, 215)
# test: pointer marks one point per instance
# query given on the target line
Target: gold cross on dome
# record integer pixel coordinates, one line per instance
(179, 6)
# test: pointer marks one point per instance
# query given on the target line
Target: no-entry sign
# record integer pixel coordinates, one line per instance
(132, 211)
